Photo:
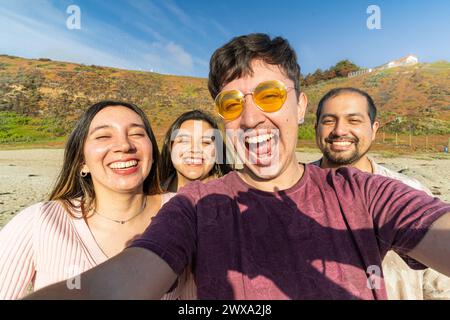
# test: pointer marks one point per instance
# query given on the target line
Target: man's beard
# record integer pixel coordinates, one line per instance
(342, 160)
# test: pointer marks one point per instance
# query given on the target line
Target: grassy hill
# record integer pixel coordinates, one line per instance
(41, 99)
(415, 98)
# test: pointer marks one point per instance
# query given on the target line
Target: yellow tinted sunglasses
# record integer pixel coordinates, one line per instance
(269, 96)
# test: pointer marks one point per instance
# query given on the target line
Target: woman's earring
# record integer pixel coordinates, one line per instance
(300, 121)
(83, 174)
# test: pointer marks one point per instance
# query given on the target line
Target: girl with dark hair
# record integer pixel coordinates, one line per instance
(106, 194)
(193, 150)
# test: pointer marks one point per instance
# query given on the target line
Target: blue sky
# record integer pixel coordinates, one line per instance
(179, 36)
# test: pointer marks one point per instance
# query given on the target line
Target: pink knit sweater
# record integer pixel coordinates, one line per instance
(43, 245)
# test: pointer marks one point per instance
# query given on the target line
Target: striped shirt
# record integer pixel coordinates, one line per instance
(43, 244)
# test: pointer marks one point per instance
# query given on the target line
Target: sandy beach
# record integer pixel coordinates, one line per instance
(27, 176)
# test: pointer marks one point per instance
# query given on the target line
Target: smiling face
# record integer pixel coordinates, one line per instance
(117, 151)
(266, 141)
(344, 133)
(193, 150)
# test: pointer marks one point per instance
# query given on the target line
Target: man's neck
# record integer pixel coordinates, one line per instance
(285, 180)
(362, 164)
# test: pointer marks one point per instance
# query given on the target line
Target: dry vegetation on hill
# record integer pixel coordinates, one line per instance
(41, 99)
(415, 98)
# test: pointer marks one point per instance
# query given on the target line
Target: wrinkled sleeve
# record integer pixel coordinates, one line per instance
(401, 215)
(172, 233)
(436, 286)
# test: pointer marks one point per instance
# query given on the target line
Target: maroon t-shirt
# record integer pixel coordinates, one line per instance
(316, 240)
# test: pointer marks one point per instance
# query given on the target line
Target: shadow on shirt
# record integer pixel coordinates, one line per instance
(267, 246)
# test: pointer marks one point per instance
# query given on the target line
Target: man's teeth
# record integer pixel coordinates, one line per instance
(342, 143)
(259, 138)
(123, 165)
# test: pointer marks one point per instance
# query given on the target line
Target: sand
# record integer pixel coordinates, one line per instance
(27, 176)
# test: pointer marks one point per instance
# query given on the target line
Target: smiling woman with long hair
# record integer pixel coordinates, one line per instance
(193, 149)
(106, 195)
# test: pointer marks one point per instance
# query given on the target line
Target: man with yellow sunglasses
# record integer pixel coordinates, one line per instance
(276, 229)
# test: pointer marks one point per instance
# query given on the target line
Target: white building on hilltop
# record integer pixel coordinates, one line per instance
(409, 60)
(405, 61)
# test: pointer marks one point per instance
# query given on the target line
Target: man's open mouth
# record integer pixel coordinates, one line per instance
(260, 146)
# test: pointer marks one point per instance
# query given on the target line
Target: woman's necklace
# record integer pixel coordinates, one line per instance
(127, 220)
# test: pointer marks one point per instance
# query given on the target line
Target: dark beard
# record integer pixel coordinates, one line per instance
(335, 159)
(340, 161)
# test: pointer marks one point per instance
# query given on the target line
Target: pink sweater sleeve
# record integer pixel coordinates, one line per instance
(17, 255)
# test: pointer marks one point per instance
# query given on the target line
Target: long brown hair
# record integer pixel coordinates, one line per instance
(70, 185)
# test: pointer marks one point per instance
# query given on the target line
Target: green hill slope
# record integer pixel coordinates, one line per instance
(413, 98)
(41, 99)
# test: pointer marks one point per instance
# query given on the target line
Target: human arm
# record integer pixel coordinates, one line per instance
(434, 249)
(17, 256)
(136, 273)
(145, 270)
(404, 217)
